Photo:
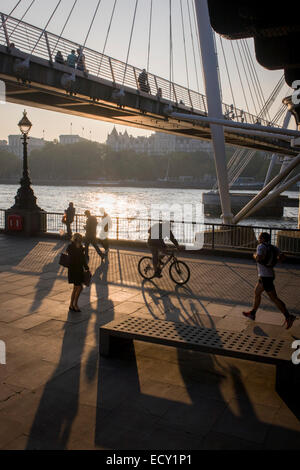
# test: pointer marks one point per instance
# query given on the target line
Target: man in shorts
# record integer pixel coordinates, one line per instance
(266, 257)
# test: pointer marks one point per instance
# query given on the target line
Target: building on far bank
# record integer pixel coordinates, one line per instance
(15, 144)
(4, 145)
(156, 144)
(69, 139)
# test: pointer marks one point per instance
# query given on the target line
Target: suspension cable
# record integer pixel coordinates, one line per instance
(184, 44)
(11, 12)
(91, 25)
(246, 75)
(53, 13)
(227, 71)
(21, 19)
(274, 94)
(193, 45)
(107, 35)
(171, 70)
(130, 39)
(150, 35)
(240, 77)
(253, 71)
(65, 25)
(260, 90)
(250, 73)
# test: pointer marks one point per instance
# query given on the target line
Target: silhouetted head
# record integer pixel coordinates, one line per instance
(264, 237)
(73, 51)
(77, 239)
(87, 213)
(71, 204)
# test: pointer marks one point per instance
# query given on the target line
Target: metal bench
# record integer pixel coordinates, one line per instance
(120, 333)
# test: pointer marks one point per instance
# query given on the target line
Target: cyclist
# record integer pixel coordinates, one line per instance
(157, 234)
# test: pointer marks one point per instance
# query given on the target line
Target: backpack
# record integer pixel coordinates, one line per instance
(271, 256)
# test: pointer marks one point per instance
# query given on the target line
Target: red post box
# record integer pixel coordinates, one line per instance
(15, 223)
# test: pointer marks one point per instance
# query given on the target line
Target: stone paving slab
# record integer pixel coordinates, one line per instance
(55, 392)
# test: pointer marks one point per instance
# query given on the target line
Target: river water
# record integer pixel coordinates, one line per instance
(131, 202)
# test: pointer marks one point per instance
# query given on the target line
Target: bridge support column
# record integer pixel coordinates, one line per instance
(214, 106)
(270, 169)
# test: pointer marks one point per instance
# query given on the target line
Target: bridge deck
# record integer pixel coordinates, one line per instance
(92, 95)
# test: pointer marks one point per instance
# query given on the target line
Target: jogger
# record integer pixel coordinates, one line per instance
(266, 258)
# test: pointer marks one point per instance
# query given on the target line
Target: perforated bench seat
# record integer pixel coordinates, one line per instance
(120, 333)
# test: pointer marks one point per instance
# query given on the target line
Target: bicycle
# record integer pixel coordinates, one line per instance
(179, 271)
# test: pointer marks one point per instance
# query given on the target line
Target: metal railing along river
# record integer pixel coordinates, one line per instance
(192, 234)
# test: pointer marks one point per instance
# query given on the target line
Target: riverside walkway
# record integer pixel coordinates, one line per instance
(55, 392)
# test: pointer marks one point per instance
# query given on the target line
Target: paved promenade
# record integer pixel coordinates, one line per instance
(55, 392)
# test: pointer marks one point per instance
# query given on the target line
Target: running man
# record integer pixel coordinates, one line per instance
(157, 234)
(266, 258)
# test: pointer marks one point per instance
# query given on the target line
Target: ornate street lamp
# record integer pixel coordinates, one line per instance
(25, 198)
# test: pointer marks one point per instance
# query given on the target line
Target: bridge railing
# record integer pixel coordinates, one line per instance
(213, 236)
(32, 40)
(192, 234)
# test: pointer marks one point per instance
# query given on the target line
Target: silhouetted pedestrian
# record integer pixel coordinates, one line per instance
(69, 218)
(266, 258)
(159, 93)
(81, 60)
(91, 234)
(105, 226)
(143, 81)
(77, 266)
(59, 58)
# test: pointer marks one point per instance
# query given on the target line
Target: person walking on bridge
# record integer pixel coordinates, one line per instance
(266, 258)
(143, 81)
(81, 60)
(72, 59)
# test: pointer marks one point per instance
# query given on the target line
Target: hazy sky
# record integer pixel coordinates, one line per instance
(56, 123)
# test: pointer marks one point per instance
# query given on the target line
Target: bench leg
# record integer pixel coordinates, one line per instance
(287, 377)
(109, 345)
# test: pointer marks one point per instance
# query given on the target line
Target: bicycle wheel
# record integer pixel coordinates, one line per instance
(179, 272)
(146, 268)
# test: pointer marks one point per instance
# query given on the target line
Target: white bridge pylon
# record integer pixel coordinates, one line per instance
(217, 124)
(108, 89)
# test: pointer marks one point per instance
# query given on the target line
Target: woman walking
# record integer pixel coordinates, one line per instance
(76, 269)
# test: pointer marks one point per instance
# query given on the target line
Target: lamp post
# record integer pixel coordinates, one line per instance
(25, 198)
(31, 218)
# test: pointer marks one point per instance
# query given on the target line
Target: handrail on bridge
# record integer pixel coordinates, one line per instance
(24, 36)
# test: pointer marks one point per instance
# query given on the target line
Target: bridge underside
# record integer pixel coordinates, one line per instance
(91, 97)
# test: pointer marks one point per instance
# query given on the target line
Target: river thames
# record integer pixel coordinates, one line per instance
(129, 202)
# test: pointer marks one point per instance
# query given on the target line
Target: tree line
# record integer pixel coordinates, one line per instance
(90, 161)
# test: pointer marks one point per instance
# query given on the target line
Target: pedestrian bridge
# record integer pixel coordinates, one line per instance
(108, 90)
